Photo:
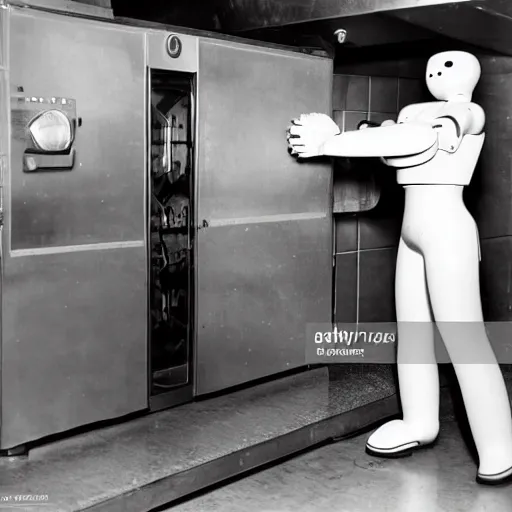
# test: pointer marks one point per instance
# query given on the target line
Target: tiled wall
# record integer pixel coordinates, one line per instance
(366, 242)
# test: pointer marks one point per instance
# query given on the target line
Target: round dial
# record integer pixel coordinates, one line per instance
(174, 46)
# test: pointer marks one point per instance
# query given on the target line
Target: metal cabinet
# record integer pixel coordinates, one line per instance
(74, 301)
(83, 238)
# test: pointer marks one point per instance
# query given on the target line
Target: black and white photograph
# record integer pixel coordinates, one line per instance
(255, 256)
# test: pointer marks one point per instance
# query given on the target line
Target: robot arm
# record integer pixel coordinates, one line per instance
(385, 141)
(317, 135)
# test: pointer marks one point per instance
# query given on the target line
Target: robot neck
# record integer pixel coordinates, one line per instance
(460, 98)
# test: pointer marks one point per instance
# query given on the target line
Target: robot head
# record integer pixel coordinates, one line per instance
(453, 76)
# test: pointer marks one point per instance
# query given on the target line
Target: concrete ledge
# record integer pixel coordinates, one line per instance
(158, 458)
(201, 477)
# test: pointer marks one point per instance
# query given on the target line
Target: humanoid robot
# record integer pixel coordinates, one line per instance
(434, 147)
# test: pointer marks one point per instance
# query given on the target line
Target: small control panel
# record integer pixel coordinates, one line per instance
(47, 127)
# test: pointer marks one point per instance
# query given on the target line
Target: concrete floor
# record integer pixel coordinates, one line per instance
(342, 478)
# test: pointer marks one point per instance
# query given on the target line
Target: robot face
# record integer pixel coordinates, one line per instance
(453, 75)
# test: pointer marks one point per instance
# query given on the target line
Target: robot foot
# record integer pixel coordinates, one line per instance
(396, 439)
(504, 477)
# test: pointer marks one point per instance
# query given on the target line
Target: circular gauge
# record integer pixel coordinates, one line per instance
(51, 131)
(174, 46)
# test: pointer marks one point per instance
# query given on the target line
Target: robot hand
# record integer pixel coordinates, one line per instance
(308, 134)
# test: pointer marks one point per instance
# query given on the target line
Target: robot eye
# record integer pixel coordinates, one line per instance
(431, 75)
(439, 74)
(448, 64)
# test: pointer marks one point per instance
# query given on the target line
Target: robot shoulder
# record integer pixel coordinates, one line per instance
(478, 112)
(471, 114)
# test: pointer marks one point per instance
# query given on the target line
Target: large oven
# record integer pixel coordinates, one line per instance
(158, 241)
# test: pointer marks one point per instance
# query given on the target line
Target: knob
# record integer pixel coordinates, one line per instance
(174, 46)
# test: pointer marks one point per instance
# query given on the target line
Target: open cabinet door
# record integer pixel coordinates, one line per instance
(74, 299)
(265, 239)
